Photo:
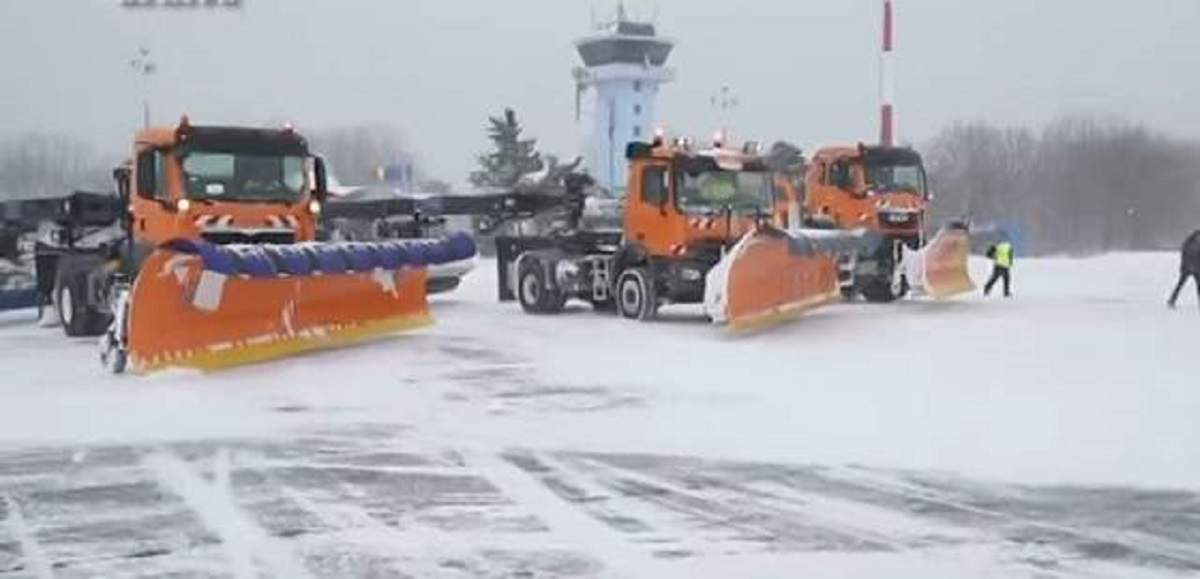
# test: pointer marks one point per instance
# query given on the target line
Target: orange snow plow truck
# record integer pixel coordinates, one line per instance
(214, 261)
(883, 190)
(696, 230)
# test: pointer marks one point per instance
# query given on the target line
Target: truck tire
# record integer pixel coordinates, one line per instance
(77, 316)
(532, 292)
(636, 297)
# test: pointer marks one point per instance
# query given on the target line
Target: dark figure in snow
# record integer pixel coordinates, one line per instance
(1002, 261)
(1189, 266)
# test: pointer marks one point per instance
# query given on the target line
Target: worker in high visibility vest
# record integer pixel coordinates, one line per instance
(1002, 262)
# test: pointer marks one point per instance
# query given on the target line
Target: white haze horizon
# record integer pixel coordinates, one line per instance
(435, 70)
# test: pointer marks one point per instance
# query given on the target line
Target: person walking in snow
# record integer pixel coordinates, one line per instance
(1002, 262)
(1189, 266)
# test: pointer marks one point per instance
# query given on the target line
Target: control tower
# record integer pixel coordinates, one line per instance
(624, 62)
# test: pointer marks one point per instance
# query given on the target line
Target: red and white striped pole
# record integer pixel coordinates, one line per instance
(887, 133)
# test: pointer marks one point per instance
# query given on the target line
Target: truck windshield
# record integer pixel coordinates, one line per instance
(243, 177)
(896, 177)
(715, 190)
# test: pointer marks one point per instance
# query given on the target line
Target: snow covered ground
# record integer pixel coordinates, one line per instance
(1050, 435)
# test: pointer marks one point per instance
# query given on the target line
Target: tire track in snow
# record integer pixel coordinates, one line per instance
(244, 542)
(1164, 550)
(30, 548)
(728, 510)
(578, 529)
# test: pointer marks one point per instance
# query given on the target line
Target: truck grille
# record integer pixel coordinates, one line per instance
(249, 237)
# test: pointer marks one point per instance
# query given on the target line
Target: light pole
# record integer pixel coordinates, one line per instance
(723, 102)
(144, 67)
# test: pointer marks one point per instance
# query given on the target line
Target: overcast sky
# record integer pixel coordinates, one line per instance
(804, 70)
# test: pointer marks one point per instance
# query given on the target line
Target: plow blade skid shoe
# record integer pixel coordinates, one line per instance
(769, 276)
(203, 306)
(945, 263)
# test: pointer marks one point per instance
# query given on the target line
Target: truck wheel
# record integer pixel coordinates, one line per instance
(636, 298)
(535, 298)
(77, 317)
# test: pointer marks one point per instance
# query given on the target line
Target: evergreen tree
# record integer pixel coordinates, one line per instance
(512, 157)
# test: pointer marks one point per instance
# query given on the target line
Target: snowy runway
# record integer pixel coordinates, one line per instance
(1049, 435)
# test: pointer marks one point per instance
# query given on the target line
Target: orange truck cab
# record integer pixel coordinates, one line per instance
(218, 184)
(223, 185)
(692, 204)
(881, 189)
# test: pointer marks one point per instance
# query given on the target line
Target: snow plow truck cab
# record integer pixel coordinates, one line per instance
(885, 190)
(224, 185)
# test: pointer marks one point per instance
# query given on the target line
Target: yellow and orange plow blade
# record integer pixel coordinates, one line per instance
(942, 264)
(196, 305)
(770, 275)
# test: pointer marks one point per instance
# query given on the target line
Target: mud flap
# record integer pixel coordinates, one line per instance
(940, 269)
(197, 305)
(770, 276)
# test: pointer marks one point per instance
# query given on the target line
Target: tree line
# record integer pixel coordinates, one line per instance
(1076, 185)
(39, 165)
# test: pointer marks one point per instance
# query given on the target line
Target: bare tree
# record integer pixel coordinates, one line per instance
(49, 165)
(1080, 185)
(355, 154)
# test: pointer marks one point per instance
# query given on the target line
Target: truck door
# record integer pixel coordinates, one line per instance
(154, 212)
(650, 218)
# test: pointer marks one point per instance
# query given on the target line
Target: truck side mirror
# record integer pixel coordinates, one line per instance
(321, 186)
(121, 179)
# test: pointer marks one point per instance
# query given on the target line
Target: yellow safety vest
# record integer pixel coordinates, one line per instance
(1004, 254)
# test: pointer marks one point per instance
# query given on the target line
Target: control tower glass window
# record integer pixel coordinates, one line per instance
(637, 86)
(637, 109)
(637, 131)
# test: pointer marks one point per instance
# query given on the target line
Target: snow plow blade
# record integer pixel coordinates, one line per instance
(204, 306)
(941, 267)
(771, 275)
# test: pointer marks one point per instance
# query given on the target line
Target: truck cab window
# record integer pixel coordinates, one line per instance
(161, 191)
(654, 185)
(147, 175)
